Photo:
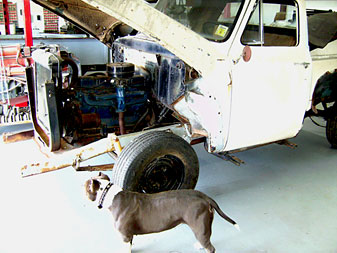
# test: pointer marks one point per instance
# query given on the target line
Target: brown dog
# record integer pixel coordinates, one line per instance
(138, 213)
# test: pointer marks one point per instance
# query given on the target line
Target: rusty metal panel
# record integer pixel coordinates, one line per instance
(15, 137)
(90, 19)
(195, 50)
(72, 157)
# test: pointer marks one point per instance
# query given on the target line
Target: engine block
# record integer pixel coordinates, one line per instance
(106, 102)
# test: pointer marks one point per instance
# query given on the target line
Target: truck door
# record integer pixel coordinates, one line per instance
(270, 90)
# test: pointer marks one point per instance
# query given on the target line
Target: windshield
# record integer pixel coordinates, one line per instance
(212, 19)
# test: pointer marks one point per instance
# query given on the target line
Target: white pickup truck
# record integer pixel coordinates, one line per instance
(232, 74)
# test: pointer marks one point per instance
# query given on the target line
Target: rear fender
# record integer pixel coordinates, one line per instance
(326, 93)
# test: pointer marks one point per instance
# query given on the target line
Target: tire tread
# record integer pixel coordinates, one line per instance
(141, 144)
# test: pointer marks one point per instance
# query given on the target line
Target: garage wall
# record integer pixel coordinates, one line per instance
(322, 4)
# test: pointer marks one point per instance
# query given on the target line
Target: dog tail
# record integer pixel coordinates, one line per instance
(222, 214)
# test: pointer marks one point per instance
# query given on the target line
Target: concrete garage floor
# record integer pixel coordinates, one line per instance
(284, 201)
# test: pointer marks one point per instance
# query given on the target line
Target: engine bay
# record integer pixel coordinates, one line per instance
(80, 109)
(98, 103)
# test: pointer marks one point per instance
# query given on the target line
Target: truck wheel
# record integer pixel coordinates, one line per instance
(156, 161)
(331, 131)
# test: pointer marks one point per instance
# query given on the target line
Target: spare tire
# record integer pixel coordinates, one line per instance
(156, 161)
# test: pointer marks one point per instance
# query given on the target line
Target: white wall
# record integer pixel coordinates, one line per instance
(322, 4)
(3, 29)
(36, 10)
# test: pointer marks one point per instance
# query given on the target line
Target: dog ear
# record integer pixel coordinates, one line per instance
(95, 184)
(103, 176)
(91, 188)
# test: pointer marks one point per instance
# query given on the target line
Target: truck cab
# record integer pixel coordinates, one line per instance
(231, 74)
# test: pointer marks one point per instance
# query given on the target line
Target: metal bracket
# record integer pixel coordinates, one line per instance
(288, 144)
(112, 145)
(104, 167)
(77, 161)
(229, 158)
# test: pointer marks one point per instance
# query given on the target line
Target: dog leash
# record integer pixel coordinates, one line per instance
(105, 191)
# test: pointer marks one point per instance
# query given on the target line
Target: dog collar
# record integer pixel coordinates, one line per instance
(105, 191)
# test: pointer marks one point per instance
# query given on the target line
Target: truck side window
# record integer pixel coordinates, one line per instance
(272, 23)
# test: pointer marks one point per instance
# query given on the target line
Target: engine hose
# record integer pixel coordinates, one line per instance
(68, 61)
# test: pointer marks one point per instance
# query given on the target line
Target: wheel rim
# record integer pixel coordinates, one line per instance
(162, 174)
